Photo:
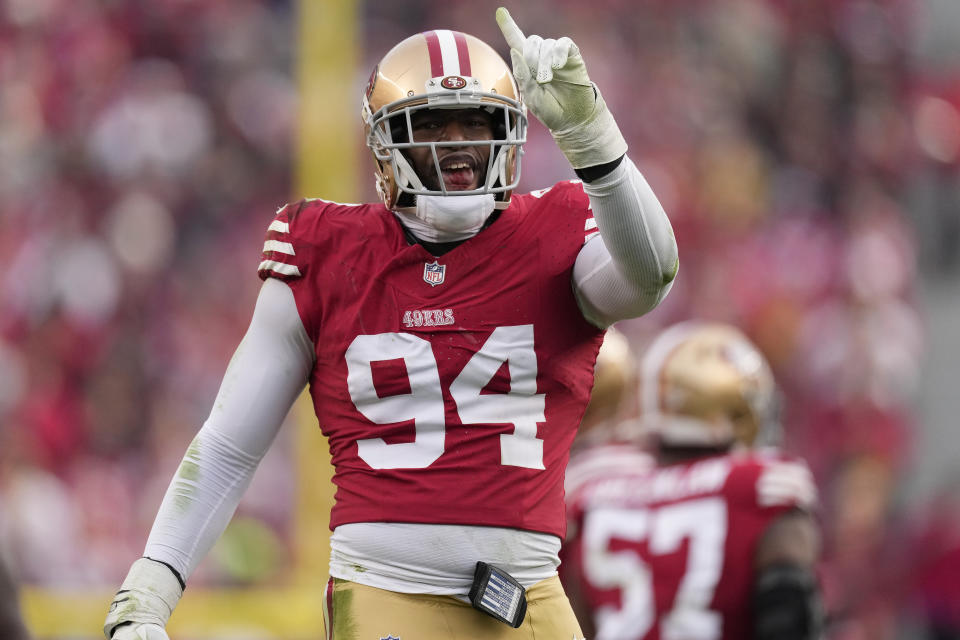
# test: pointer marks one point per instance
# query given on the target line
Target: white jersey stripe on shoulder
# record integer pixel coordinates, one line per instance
(799, 495)
(786, 483)
(282, 227)
(279, 247)
(591, 223)
(279, 267)
(448, 52)
(342, 204)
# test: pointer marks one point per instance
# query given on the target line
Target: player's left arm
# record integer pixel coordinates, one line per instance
(630, 267)
(786, 594)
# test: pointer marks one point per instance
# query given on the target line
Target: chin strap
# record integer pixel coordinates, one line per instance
(407, 176)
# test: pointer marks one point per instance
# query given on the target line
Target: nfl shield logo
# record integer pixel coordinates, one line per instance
(433, 273)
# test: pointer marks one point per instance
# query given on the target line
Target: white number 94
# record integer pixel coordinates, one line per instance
(522, 406)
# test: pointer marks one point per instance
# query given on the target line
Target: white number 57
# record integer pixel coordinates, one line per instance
(702, 522)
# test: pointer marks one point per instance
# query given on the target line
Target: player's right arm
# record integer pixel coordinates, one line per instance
(268, 370)
(571, 569)
(574, 585)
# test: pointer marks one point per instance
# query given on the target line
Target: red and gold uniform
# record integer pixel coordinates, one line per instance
(450, 388)
(668, 552)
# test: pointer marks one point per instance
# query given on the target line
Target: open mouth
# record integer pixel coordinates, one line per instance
(459, 172)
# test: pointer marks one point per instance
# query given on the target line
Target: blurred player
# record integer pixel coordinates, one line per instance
(601, 443)
(717, 542)
(614, 378)
(448, 335)
(601, 447)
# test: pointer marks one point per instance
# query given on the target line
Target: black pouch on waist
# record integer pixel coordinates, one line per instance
(498, 594)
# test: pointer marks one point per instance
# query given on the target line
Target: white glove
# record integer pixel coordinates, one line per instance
(135, 631)
(554, 82)
(145, 600)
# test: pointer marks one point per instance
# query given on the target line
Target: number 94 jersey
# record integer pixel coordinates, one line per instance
(450, 387)
(668, 552)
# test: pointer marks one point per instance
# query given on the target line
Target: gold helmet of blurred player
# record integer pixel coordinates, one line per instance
(613, 375)
(442, 70)
(707, 385)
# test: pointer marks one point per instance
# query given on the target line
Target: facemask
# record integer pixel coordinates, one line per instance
(447, 218)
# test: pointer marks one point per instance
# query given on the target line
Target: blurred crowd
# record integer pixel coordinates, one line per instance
(144, 147)
(807, 151)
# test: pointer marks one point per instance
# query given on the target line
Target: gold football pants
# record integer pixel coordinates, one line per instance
(358, 612)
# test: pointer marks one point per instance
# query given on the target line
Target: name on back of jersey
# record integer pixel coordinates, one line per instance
(667, 484)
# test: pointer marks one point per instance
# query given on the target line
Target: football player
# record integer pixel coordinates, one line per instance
(605, 438)
(614, 378)
(603, 443)
(717, 541)
(448, 335)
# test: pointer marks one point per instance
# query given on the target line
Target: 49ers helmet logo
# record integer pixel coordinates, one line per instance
(372, 82)
(453, 82)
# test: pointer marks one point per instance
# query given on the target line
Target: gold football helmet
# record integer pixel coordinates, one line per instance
(442, 70)
(613, 377)
(707, 385)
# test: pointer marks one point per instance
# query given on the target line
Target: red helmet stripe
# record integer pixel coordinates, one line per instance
(436, 56)
(449, 55)
(463, 54)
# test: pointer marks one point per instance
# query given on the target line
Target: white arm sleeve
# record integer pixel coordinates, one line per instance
(268, 370)
(629, 268)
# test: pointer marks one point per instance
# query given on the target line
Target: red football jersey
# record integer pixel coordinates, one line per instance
(449, 388)
(668, 552)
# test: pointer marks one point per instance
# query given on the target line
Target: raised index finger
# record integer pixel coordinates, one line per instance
(511, 32)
